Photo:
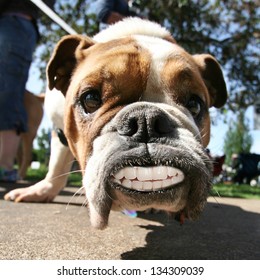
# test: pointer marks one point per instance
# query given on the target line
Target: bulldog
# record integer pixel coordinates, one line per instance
(136, 117)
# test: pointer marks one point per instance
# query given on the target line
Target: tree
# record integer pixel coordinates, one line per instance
(75, 13)
(238, 139)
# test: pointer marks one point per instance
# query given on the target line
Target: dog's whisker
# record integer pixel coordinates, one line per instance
(84, 204)
(66, 174)
(214, 197)
(79, 190)
(218, 194)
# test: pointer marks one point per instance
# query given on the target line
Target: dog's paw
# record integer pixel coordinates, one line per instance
(43, 191)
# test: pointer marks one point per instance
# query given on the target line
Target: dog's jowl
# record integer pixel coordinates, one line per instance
(136, 118)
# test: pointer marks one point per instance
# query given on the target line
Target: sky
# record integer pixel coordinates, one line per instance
(218, 131)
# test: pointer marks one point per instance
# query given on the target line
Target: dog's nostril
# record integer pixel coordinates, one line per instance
(162, 125)
(128, 127)
(144, 124)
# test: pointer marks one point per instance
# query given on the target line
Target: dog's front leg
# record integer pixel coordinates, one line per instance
(44, 191)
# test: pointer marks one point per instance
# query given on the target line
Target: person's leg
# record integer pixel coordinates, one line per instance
(9, 142)
(17, 42)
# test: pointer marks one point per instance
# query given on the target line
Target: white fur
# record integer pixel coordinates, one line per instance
(160, 51)
(131, 26)
(54, 107)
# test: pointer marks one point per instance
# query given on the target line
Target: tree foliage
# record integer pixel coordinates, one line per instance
(229, 30)
(77, 14)
(238, 139)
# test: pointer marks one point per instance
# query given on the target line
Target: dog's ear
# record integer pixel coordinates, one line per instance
(64, 59)
(213, 78)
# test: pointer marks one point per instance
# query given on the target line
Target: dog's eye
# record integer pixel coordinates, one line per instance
(195, 105)
(91, 100)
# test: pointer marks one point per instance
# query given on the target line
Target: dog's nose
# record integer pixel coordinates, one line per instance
(145, 123)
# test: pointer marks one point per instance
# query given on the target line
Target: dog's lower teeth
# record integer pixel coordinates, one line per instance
(148, 179)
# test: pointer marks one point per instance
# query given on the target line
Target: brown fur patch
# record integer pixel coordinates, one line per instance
(182, 79)
(119, 70)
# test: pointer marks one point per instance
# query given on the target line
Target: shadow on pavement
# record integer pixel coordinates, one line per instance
(223, 232)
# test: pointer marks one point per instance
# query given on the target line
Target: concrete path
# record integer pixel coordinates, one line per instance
(228, 229)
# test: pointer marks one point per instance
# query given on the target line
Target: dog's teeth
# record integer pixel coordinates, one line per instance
(166, 183)
(147, 186)
(148, 178)
(130, 173)
(179, 177)
(137, 185)
(120, 174)
(127, 183)
(160, 172)
(117, 181)
(144, 174)
(171, 171)
(157, 185)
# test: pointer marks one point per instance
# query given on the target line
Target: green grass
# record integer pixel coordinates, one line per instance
(238, 191)
(223, 190)
(36, 174)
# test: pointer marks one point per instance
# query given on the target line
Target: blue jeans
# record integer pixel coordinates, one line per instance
(18, 38)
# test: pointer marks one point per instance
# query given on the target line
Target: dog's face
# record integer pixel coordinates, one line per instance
(137, 120)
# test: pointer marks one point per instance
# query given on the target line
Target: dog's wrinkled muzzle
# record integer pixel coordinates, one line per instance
(146, 157)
